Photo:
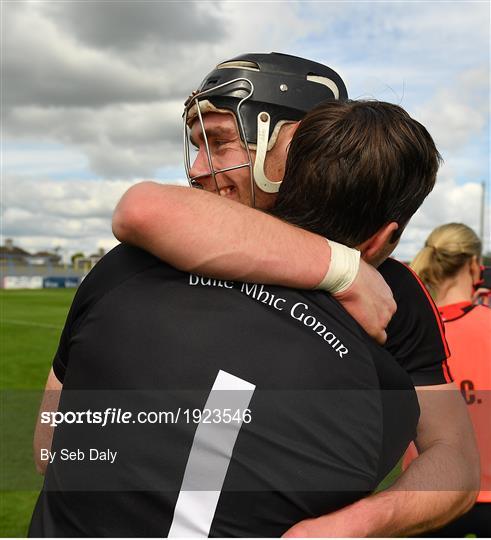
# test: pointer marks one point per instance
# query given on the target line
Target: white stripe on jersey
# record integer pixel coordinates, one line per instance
(209, 459)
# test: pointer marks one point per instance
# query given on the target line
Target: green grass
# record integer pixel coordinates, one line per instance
(30, 326)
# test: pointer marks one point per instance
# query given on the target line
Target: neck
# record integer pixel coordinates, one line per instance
(453, 291)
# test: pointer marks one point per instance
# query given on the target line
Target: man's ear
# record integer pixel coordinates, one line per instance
(379, 244)
(290, 131)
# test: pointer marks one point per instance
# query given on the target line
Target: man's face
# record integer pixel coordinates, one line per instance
(227, 150)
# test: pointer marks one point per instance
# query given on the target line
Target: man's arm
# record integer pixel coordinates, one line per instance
(43, 434)
(199, 232)
(438, 487)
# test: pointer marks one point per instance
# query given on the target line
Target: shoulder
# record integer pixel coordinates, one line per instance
(416, 336)
(412, 298)
(120, 262)
(116, 267)
(483, 312)
(401, 279)
(393, 269)
(472, 316)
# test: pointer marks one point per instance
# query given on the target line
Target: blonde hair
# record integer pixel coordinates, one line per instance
(447, 249)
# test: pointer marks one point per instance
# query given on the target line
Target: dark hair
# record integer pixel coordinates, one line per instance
(355, 166)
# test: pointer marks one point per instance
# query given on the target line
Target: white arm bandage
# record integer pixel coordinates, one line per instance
(343, 268)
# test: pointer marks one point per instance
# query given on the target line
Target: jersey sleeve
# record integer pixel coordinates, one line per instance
(120, 264)
(415, 335)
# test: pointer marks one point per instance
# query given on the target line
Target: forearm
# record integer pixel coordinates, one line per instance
(443, 482)
(438, 487)
(162, 219)
(43, 433)
(411, 506)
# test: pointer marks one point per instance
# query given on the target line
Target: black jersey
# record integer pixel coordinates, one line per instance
(415, 335)
(321, 413)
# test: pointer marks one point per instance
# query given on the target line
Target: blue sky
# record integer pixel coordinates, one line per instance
(91, 107)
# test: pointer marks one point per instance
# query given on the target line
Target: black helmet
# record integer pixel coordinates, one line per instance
(286, 87)
(263, 91)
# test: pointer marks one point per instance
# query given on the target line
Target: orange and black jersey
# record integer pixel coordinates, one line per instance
(468, 330)
(415, 335)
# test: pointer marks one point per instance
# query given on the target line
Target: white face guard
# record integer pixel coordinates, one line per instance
(197, 105)
(194, 107)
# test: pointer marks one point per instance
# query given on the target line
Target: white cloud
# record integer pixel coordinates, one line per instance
(42, 160)
(40, 214)
(459, 112)
(448, 202)
(137, 23)
(402, 52)
(43, 64)
(80, 199)
(124, 140)
(458, 118)
(71, 77)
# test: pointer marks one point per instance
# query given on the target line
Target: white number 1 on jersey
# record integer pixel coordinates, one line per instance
(209, 459)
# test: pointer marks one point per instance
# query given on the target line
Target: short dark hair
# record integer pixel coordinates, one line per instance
(355, 166)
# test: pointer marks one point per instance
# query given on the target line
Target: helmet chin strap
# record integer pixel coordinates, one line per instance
(260, 178)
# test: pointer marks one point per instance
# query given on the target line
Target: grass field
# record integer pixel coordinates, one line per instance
(30, 326)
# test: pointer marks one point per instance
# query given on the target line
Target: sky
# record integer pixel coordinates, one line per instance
(92, 94)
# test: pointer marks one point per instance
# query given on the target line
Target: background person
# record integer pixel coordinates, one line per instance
(450, 266)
